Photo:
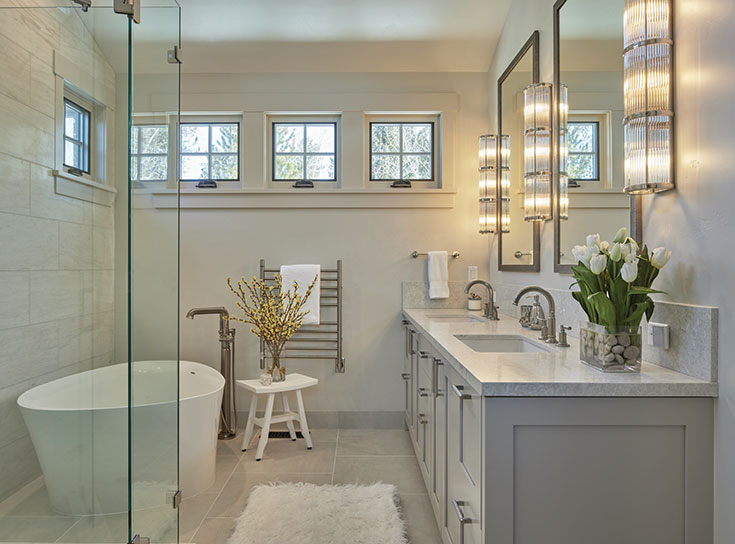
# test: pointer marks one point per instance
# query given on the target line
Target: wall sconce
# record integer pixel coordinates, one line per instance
(649, 109)
(488, 183)
(563, 187)
(537, 146)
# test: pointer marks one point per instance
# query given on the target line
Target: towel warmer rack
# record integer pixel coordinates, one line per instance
(323, 341)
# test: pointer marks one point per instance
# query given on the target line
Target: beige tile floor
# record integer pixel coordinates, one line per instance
(339, 456)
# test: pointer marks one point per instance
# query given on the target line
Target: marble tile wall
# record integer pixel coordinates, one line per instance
(57, 253)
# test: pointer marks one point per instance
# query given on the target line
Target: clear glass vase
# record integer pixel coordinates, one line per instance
(277, 372)
(610, 349)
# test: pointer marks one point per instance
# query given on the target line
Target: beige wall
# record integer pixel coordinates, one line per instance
(373, 242)
(56, 270)
(696, 220)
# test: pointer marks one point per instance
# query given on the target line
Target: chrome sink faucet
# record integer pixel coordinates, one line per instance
(491, 310)
(548, 333)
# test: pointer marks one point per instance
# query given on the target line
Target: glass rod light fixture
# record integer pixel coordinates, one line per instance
(537, 147)
(487, 153)
(648, 96)
(489, 167)
(563, 187)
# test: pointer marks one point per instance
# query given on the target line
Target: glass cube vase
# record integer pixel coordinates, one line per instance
(608, 349)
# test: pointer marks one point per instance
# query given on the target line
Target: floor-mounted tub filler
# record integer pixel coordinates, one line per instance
(79, 428)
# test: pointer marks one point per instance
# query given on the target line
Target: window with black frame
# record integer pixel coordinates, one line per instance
(210, 152)
(401, 151)
(77, 136)
(149, 153)
(583, 151)
(304, 151)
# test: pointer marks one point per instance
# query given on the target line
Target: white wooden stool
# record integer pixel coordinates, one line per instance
(293, 382)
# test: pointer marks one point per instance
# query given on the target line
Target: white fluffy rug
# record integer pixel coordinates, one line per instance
(302, 513)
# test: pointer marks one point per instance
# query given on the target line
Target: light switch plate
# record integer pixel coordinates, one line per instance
(472, 274)
(658, 335)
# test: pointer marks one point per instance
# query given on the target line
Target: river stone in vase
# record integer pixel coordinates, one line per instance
(610, 349)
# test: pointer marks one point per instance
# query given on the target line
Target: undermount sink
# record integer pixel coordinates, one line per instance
(501, 343)
(456, 317)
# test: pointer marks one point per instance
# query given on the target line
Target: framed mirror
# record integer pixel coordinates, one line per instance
(588, 60)
(519, 246)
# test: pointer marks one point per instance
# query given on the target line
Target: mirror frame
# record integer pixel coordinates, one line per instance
(531, 44)
(635, 225)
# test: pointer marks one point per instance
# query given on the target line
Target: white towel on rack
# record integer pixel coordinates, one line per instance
(438, 274)
(304, 274)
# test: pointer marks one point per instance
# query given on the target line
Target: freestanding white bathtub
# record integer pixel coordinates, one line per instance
(79, 428)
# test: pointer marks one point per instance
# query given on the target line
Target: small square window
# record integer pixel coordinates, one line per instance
(583, 151)
(149, 153)
(210, 151)
(304, 151)
(77, 136)
(401, 151)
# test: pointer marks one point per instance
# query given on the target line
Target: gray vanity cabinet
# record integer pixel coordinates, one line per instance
(558, 470)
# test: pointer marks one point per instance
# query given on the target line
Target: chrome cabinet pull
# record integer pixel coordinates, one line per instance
(423, 355)
(435, 377)
(423, 420)
(406, 376)
(463, 520)
(411, 332)
(459, 391)
(423, 392)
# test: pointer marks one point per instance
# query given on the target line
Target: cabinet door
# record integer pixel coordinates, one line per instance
(436, 491)
(421, 387)
(464, 454)
(406, 374)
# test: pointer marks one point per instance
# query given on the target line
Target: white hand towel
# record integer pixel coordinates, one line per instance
(304, 274)
(438, 274)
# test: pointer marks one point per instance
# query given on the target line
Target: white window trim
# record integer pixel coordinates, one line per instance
(306, 117)
(603, 117)
(434, 118)
(96, 186)
(354, 189)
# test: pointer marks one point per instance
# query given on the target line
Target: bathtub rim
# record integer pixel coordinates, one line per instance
(24, 401)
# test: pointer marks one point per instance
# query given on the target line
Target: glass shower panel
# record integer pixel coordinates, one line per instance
(154, 272)
(63, 375)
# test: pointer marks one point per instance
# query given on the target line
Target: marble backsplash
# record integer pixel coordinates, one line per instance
(693, 329)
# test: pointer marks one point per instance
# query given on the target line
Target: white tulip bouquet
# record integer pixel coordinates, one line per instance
(615, 280)
(614, 283)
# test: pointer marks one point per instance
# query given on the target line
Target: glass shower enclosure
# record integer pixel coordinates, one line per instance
(89, 305)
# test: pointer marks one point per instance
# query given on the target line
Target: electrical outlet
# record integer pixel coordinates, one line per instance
(472, 273)
(658, 335)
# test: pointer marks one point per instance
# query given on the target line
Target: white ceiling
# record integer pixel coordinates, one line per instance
(334, 35)
(341, 20)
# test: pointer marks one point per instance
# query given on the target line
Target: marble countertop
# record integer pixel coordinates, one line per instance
(557, 373)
